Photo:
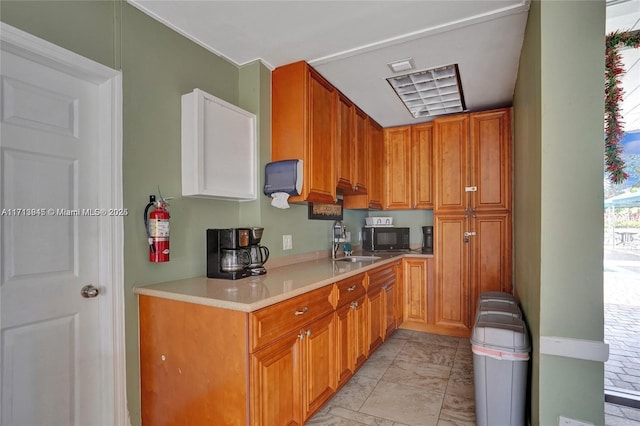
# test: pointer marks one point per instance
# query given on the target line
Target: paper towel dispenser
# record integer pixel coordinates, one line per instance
(283, 176)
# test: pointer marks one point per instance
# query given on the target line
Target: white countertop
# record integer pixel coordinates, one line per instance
(278, 284)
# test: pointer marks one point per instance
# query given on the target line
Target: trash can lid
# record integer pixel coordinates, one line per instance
(499, 306)
(506, 333)
(496, 295)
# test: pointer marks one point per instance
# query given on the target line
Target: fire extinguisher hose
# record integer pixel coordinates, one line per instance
(152, 201)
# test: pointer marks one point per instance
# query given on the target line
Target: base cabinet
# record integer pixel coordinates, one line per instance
(381, 305)
(296, 375)
(351, 326)
(415, 291)
(202, 365)
(318, 364)
(277, 383)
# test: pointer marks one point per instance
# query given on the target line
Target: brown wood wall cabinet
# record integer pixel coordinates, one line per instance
(303, 127)
(472, 213)
(275, 366)
(408, 167)
(374, 163)
(338, 143)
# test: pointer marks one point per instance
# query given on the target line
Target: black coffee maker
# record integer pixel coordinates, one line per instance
(427, 239)
(228, 254)
(258, 254)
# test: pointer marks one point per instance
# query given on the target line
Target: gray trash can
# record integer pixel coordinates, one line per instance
(500, 345)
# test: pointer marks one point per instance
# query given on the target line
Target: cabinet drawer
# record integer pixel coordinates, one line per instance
(349, 290)
(275, 321)
(381, 277)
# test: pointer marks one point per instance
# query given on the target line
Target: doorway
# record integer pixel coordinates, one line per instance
(61, 292)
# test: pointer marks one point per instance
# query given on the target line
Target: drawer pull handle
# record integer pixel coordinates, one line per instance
(301, 312)
(353, 287)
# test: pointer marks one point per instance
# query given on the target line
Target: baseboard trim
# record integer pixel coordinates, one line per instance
(590, 350)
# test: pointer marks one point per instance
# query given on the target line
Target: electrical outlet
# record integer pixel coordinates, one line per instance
(359, 236)
(287, 242)
(565, 421)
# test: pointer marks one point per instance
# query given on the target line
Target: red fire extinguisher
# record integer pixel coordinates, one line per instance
(157, 226)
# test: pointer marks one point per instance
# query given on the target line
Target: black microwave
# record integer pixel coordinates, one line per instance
(385, 238)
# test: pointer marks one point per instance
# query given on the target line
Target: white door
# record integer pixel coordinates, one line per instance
(54, 349)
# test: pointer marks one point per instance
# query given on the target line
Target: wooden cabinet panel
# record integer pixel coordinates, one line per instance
(360, 342)
(491, 156)
(451, 163)
(380, 304)
(390, 320)
(491, 255)
(274, 321)
(172, 366)
(376, 164)
(415, 291)
(320, 172)
(350, 346)
(344, 141)
(374, 142)
(344, 337)
(473, 207)
(349, 289)
(276, 389)
(408, 152)
(375, 319)
(397, 160)
(398, 296)
(319, 364)
(422, 166)
(452, 274)
(303, 118)
(361, 151)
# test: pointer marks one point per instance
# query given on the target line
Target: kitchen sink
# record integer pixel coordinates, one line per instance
(358, 258)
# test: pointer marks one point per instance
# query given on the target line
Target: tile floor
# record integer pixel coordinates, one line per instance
(420, 379)
(413, 379)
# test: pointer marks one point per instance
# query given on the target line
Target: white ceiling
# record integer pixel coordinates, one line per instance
(351, 42)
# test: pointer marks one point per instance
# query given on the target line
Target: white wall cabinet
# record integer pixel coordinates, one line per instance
(219, 153)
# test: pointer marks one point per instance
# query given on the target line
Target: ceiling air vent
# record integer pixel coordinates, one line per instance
(431, 92)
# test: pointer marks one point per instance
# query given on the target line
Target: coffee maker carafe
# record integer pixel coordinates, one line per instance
(258, 254)
(228, 254)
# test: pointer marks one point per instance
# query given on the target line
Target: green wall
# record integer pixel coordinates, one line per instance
(158, 66)
(558, 109)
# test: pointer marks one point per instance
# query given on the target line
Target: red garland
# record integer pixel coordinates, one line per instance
(614, 164)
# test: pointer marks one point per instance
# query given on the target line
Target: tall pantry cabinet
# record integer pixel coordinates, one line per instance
(472, 213)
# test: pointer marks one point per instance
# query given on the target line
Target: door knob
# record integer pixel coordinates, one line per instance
(89, 291)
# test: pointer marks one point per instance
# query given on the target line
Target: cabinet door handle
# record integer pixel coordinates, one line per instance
(354, 304)
(308, 333)
(301, 336)
(353, 287)
(301, 312)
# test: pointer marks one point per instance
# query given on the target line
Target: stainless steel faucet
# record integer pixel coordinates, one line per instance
(338, 236)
